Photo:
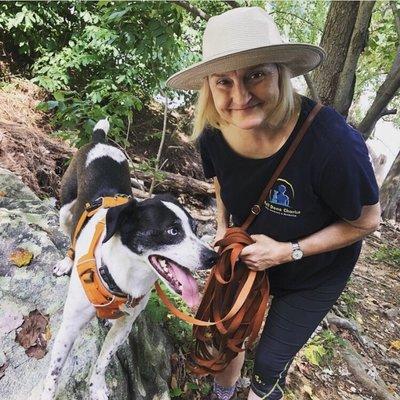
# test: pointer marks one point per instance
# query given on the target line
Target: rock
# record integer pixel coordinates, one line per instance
(392, 313)
(141, 368)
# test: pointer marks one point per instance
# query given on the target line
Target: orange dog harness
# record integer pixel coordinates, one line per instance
(106, 302)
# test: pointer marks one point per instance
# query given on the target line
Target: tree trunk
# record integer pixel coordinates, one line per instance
(347, 77)
(390, 192)
(336, 38)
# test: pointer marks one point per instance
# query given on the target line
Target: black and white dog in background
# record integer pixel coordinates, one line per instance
(143, 241)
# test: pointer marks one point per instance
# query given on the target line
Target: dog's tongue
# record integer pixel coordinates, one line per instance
(190, 291)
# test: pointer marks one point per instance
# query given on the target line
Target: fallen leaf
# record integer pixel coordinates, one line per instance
(47, 334)
(32, 335)
(174, 382)
(314, 353)
(3, 194)
(21, 257)
(395, 344)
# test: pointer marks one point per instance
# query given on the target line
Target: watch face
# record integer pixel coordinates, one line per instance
(297, 254)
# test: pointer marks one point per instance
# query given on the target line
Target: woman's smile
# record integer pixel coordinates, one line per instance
(244, 98)
(245, 108)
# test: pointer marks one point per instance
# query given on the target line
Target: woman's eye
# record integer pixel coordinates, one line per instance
(256, 75)
(222, 82)
(172, 231)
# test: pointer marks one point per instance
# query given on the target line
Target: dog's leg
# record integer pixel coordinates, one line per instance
(69, 192)
(116, 336)
(65, 218)
(63, 267)
(77, 313)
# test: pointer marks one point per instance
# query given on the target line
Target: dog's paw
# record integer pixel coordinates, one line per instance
(63, 267)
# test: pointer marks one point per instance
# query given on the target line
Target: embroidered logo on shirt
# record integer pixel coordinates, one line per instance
(281, 198)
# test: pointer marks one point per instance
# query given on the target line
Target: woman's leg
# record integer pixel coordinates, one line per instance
(291, 320)
(225, 382)
(231, 374)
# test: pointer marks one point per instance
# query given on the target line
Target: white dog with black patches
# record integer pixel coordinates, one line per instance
(143, 241)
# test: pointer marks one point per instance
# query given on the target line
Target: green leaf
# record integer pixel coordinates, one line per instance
(59, 96)
(175, 392)
(314, 353)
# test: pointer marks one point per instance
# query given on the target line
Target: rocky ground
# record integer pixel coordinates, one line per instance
(366, 365)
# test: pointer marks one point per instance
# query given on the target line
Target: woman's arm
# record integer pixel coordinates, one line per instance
(267, 252)
(222, 216)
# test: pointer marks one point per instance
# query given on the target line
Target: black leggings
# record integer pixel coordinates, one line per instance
(292, 318)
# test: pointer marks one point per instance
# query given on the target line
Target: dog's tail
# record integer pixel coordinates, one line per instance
(100, 131)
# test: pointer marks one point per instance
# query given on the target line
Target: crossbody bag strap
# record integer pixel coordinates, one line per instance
(255, 210)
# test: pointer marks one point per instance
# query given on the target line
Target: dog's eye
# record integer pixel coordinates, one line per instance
(172, 231)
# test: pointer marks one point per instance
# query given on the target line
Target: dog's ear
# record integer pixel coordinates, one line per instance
(116, 216)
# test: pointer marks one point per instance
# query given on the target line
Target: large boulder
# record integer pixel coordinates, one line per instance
(28, 225)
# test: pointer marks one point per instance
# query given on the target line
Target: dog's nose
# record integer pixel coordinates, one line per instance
(208, 258)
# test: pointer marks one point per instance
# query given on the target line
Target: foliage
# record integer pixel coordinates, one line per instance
(320, 350)
(388, 254)
(180, 331)
(301, 22)
(110, 59)
(350, 299)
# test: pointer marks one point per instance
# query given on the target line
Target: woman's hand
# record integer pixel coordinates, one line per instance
(218, 236)
(265, 253)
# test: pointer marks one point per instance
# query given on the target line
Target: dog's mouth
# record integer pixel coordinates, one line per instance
(178, 277)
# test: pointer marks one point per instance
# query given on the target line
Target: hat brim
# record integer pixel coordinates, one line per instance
(298, 57)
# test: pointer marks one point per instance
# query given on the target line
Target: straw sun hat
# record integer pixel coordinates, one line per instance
(240, 38)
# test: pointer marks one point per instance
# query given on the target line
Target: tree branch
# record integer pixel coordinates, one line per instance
(192, 9)
(296, 16)
(385, 111)
(153, 180)
(384, 95)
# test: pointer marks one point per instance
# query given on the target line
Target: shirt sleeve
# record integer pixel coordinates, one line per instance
(347, 181)
(206, 160)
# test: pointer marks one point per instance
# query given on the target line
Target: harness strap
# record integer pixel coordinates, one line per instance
(106, 303)
(90, 210)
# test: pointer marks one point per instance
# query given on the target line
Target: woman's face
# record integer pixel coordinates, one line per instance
(245, 97)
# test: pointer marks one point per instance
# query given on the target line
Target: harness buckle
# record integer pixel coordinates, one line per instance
(88, 277)
(96, 204)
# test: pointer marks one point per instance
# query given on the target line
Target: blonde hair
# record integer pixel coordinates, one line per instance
(288, 104)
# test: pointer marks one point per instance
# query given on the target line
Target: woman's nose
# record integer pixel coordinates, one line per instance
(240, 95)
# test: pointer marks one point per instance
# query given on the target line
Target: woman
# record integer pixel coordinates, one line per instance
(308, 234)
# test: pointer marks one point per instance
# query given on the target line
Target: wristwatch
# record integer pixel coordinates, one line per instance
(297, 253)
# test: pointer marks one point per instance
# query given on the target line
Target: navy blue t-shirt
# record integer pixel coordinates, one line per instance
(329, 177)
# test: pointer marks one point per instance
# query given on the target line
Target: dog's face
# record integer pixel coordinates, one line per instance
(162, 233)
